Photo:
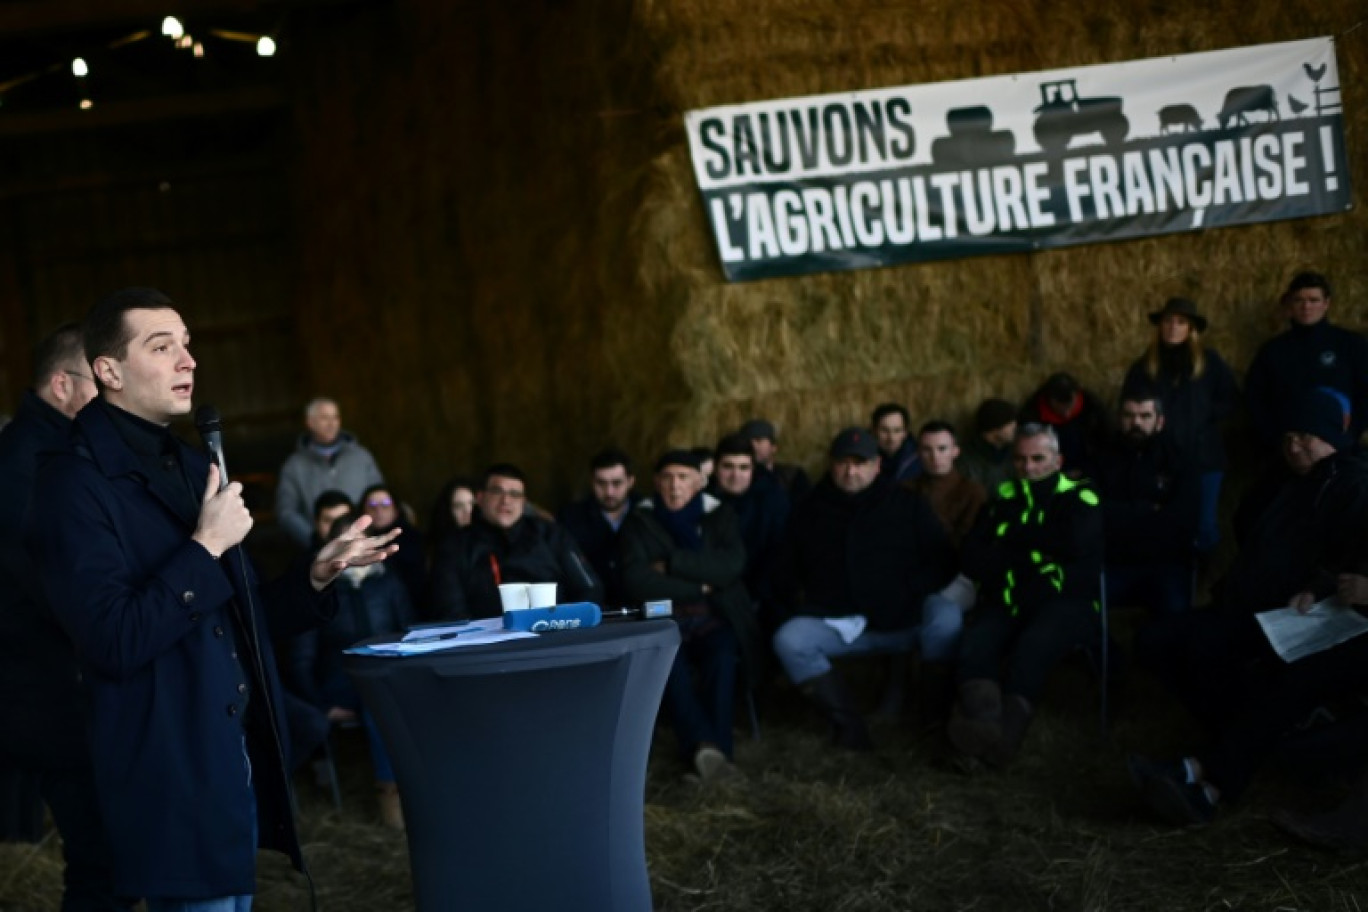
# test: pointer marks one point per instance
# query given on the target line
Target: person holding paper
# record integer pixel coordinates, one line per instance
(1307, 540)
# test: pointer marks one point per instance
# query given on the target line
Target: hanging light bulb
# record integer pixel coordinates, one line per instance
(199, 49)
(79, 68)
(185, 41)
(172, 28)
(86, 104)
(266, 46)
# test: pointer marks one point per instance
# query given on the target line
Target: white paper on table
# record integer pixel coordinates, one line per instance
(438, 639)
(1294, 635)
(849, 628)
(432, 630)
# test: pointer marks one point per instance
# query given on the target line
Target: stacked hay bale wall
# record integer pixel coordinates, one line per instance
(504, 254)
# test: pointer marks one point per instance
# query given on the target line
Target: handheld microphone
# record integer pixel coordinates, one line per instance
(211, 432)
(571, 616)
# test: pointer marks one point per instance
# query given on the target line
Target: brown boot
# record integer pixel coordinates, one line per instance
(1016, 718)
(975, 725)
(391, 809)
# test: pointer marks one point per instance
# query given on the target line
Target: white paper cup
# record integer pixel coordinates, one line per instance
(514, 596)
(541, 595)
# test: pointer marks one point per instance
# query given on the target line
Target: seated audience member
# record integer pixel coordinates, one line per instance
(1036, 554)
(684, 545)
(507, 544)
(955, 498)
(371, 601)
(765, 442)
(892, 427)
(1311, 353)
(987, 458)
(594, 521)
(1306, 542)
(327, 458)
(858, 572)
(762, 509)
(327, 507)
(452, 510)
(1150, 502)
(386, 512)
(1078, 418)
(1197, 392)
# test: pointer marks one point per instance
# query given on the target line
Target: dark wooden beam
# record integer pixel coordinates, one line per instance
(119, 113)
(32, 17)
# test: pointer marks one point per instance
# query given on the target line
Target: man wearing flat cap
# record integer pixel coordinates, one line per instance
(1311, 353)
(858, 570)
(685, 545)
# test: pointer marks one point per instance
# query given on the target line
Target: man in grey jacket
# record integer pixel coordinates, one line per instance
(327, 459)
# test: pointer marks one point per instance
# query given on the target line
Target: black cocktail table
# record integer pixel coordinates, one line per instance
(522, 765)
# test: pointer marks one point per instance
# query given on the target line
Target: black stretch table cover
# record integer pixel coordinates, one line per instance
(522, 766)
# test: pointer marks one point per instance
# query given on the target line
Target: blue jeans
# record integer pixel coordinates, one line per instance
(340, 691)
(806, 645)
(221, 904)
(701, 689)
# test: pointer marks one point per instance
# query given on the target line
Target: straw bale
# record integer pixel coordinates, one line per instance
(506, 257)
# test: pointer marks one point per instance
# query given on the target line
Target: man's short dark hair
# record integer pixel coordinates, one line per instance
(1143, 392)
(1303, 280)
(329, 499)
(607, 458)
(703, 453)
(66, 346)
(502, 470)
(937, 426)
(889, 408)
(735, 445)
(993, 414)
(106, 332)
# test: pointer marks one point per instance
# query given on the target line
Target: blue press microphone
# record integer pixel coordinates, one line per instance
(571, 616)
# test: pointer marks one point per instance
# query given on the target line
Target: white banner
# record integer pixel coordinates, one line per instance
(1022, 162)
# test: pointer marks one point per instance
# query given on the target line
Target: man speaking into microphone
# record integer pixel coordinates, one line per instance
(137, 548)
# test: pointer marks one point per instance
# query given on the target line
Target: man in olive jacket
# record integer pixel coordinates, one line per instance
(685, 545)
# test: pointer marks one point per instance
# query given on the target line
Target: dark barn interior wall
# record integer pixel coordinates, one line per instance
(501, 252)
(197, 207)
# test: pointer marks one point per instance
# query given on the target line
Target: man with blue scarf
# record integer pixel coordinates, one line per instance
(685, 545)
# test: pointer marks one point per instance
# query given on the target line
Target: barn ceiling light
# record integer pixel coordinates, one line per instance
(266, 46)
(172, 28)
(87, 104)
(79, 68)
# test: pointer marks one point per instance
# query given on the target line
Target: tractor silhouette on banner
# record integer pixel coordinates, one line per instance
(1062, 115)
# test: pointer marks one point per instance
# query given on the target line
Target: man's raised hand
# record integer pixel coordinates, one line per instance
(353, 548)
